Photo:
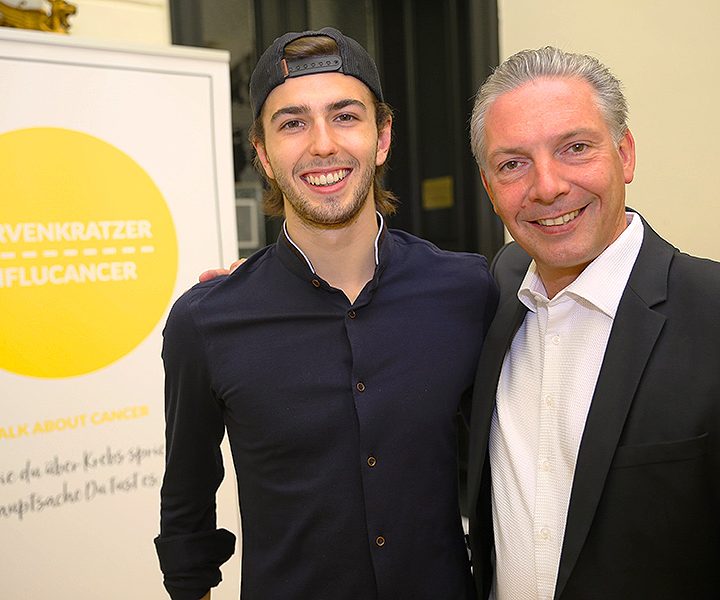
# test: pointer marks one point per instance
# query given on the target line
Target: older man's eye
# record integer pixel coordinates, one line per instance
(578, 148)
(510, 165)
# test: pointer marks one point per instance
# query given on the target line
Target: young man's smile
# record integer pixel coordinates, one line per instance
(326, 179)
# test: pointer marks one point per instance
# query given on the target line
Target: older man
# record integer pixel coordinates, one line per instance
(595, 438)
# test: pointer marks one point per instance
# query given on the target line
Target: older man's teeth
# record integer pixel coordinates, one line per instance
(327, 178)
(561, 220)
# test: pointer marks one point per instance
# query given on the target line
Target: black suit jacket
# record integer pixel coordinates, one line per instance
(644, 514)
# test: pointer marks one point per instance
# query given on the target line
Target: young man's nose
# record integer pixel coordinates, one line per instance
(322, 140)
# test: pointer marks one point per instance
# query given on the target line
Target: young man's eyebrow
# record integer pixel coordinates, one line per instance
(299, 109)
(340, 104)
(303, 109)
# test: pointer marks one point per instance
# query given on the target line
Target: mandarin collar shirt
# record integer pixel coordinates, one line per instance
(544, 393)
(341, 420)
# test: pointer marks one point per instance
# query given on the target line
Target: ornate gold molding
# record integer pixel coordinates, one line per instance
(31, 18)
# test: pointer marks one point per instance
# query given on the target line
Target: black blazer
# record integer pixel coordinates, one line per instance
(644, 514)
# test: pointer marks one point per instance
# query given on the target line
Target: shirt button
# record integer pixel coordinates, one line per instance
(372, 461)
(545, 465)
(544, 533)
(549, 401)
(360, 386)
(380, 541)
(351, 314)
(556, 339)
(316, 283)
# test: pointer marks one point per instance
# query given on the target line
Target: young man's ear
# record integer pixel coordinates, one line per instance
(383, 143)
(262, 156)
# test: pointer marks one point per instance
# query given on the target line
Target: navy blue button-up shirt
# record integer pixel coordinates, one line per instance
(341, 419)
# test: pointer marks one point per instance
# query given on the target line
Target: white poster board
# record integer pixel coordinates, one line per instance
(116, 190)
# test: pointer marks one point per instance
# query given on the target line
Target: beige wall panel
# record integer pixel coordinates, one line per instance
(142, 22)
(668, 56)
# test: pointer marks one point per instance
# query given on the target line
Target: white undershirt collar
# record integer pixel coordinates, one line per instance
(381, 222)
(601, 283)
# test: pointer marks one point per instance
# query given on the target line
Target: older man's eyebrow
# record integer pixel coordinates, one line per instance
(505, 150)
(581, 133)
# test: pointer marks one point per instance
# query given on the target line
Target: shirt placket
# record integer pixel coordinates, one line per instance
(545, 526)
(365, 391)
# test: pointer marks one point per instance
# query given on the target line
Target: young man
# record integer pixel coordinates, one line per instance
(595, 438)
(335, 359)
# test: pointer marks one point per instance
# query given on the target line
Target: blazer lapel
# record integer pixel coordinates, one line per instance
(634, 333)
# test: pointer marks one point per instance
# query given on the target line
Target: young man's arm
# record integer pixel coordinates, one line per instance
(190, 547)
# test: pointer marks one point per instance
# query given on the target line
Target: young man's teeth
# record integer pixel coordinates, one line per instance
(561, 220)
(327, 178)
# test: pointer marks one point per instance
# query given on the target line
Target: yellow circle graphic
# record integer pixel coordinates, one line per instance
(88, 253)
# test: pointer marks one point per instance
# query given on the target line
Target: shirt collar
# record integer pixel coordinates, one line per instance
(601, 283)
(297, 261)
(381, 224)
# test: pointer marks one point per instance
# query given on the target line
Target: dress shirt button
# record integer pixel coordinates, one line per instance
(556, 339)
(549, 401)
(360, 386)
(351, 314)
(545, 465)
(372, 461)
(544, 533)
(380, 541)
(316, 283)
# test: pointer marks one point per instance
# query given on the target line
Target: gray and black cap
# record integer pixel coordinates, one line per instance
(273, 69)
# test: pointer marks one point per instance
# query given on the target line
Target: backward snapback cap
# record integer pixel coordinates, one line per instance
(272, 68)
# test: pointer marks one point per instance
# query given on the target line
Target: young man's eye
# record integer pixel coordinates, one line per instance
(294, 124)
(345, 117)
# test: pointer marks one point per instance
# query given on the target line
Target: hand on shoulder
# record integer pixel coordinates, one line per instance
(213, 273)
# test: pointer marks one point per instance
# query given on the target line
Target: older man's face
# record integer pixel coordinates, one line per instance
(555, 176)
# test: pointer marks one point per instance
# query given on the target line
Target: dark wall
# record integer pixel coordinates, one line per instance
(427, 57)
(431, 55)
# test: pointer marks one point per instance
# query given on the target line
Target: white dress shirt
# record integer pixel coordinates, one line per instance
(544, 393)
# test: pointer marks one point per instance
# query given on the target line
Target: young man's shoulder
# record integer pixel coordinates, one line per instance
(454, 274)
(221, 291)
(422, 249)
